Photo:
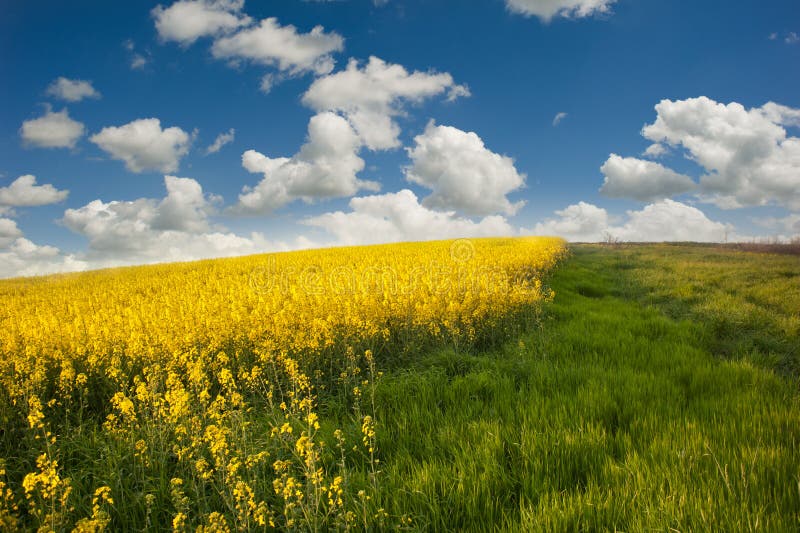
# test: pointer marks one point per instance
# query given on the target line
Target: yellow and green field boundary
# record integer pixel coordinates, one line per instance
(627, 388)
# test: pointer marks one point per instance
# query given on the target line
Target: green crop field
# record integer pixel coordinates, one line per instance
(659, 394)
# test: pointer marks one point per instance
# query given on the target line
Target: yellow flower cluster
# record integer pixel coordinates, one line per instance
(185, 352)
(8, 506)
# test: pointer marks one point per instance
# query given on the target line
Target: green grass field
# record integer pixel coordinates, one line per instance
(659, 394)
(658, 391)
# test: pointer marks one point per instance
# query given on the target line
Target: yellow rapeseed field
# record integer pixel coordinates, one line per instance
(173, 361)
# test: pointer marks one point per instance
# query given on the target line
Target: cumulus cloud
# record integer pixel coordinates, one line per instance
(748, 157)
(269, 43)
(463, 174)
(559, 118)
(127, 226)
(669, 220)
(143, 145)
(399, 216)
(23, 192)
(9, 232)
(221, 140)
(325, 167)
(185, 208)
(188, 20)
(52, 130)
(18, 255)
(72, 90)
(781, 114)
(237, 38)
(22, 257)
(549, 9)
(147, 230)
(628, 177)
(372, 96)
(176, 227)
(581, 222)
(666, 220)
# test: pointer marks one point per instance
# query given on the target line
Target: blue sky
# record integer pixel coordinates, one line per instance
(458, 108)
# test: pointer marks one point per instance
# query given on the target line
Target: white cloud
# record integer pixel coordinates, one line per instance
(18, 255)
(9, 232)
(462, 173)
(549, 9)
(174, 228)
(373, 96)
(628, 177)
(268, 81)
(138, 62)
(143, 145)
(669, 220)
(781, 114)
(72, 90)
(23, 192)
(747, 154)
(399, 216)
(559, 118)
(458, 91)
(188, 20)
(655, 150)
(580, 222)
(185, 207)
(269, 43)
(325, 167)
(221, 140)
(52, 130)
(792, 38)
(21, 257)
(238, 39)
(665, 220)
(25, 258)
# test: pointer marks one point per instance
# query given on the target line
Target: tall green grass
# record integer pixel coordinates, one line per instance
(748, 303)
(616, 415)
